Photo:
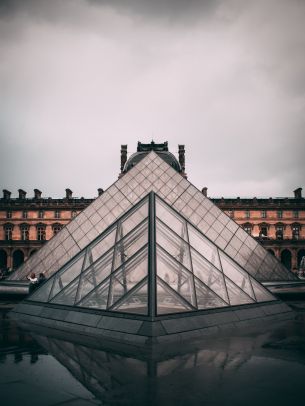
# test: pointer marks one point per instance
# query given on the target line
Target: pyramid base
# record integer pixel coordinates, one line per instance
(140, 331)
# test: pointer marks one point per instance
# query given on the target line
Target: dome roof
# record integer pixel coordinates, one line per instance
(166, 155)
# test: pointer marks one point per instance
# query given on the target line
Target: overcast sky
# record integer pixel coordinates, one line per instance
(79, 78)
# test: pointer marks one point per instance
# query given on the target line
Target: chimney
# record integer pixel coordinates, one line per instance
(181, 152)
(100, 191)
(298, 193)
(6, 194)
(205, 191)
(22, 194)
(123, 156)
(37, 194)
(69, 194)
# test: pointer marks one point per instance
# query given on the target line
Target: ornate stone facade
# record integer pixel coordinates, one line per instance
(26, 223)
(278, 223)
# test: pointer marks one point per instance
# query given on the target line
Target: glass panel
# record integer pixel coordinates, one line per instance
(64, 277)
(99, 248)
(134, 219)
(168, 302)
(98, 298)
(94, 275)
(130, 244)
(177, 277)
(135, 303)
(236, 295)
(171, 219)
(174, 245)
(42, 294)
(261, 294)
(236, 274)
(203, 246)
(128, 276)
(67, 295)
(206, 299)
(209, 275)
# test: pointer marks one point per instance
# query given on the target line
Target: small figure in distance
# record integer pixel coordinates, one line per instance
(33, 282)
(41, 279)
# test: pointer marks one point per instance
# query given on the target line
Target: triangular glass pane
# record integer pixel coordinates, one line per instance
(130, 244)
(42, 293)
(136, 302)
(128, 276)
(173, 244)
(171, 219)
(98, 248)
(67, 295)
(94, 275)
(177, 277)
(203, 246)
(64, 277)
(236, 274)
(209, 275)
(206, 299)
(133, 219)
(168, 302)
(98, 298)
(261, 294)
(236, 295)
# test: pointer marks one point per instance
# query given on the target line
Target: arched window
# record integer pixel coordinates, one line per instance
(32, 252)
(73, 213)
(56, 228)
(24, 231)
(286, 258)
(18, 258)
(271, 251)
(301, 259)
(8, 231)
(3, 260)
(41, 232)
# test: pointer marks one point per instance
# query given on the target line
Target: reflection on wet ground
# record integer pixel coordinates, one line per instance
(262, 368)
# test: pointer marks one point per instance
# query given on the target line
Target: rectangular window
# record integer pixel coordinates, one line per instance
(296, 214)
(25, 233)
(279, 214)
(24, 214)
(41, 214)
(247, 228)
(56, 228)
(264, 214)
(295, 232)
(279, 232)
(8, 233)
(57, 214)
(73, 213)
(8, 214)
(247, 214)
(41, 233)
(263, 231)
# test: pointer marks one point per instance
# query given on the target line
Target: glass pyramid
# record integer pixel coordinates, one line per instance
(151, 261)
(153, 174)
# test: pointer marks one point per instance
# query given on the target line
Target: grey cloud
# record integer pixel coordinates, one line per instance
(225, 78)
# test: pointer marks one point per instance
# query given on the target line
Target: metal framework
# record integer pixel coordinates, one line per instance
(150, 262)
